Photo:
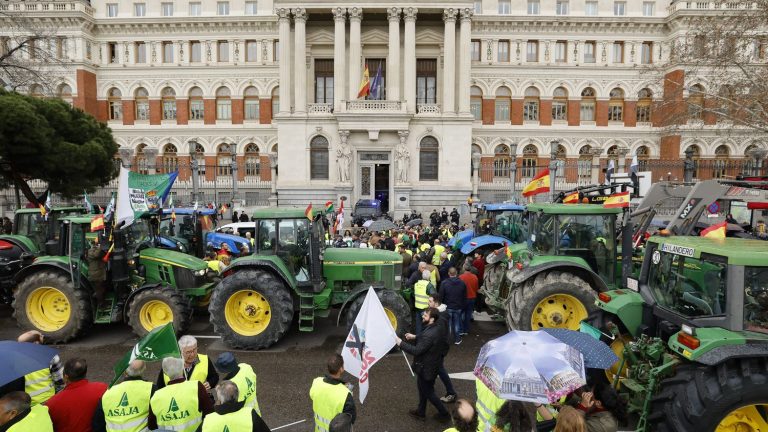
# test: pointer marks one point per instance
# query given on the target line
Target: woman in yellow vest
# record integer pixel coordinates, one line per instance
(18, 415)
(232, 414)
(487, 405)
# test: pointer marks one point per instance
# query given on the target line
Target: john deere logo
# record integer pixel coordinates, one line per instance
(174, 412)
(123, 408)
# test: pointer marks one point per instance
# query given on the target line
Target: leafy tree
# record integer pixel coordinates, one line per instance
(47, 139)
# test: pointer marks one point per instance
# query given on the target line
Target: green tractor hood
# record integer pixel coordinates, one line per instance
(173, 258)
(21, 240)
(360, 256)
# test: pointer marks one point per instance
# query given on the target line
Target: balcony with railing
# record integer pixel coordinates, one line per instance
(710, 5)
(46, 6)
(319, 109)
(428, 109)
(375, 106)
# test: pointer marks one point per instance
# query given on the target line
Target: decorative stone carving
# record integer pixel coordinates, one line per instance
(409, 13)
(546, 51)
(393, 14)
(450, 14)
(402, 158)
(237, 51)
(339, 14)
(283, 13)
(355, 13)
(300, 14)
(343, 156)
(466, 14)
(208, 50)
(264, 50)
(604, 55)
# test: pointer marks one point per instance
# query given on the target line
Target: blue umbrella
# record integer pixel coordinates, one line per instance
(21, 358)
(597, 355)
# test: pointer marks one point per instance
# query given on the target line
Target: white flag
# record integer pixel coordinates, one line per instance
(370, 339)
(124, 212)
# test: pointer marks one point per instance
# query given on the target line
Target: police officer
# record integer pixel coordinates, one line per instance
(454, 216)
(487, 406)
(18, 415)
(182, 404)
(125, 407)
(197, 366)
(444, 216)
(421, 291)
(231, 414)
(330, 395)
(242, 375)
(434, 218)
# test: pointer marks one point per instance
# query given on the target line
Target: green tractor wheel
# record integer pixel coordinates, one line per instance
(158, 306)
(550, 300)
(251, 309)
(395, 306)
(729, 397)
(49, 303)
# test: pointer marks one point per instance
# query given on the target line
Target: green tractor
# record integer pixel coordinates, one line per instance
(292, 270)
(55, 296)
(692, 335)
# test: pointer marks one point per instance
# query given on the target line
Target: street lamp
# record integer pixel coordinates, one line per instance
(193, 164)
(688, 166)
(513, 167)
(475, 174)
(555, 144)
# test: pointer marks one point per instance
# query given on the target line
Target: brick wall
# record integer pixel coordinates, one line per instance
(182, 111)
(129, 112)
(265, 173)
(630, 113)
(601, 113)
(155, 112)
(238, 108)
(670, 147)
(489, 111)
(516, 112)
(574, 107)
(545, 112)
(210, 111)
(265, 111)
(86, 93)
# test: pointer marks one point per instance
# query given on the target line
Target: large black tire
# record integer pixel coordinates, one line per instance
(525, 299)
(77, 304)
(393, 303)
(266, 287)
(142, 321)
(698, 398)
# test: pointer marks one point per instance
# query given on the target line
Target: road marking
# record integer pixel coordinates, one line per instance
(206, 337)
(469, 376)
(289, 424)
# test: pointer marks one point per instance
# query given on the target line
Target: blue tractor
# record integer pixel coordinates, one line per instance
(192, 232)
(494, 226)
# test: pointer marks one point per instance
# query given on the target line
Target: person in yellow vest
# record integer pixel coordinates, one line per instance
(439, 249)
(232, 414)
(196, 366)
(181, 405)
(251, 240)
(125, 406)
(242, 375)
(421, 291)
(464, 417)
(18, 415)
(486, 406)
(41, 384)
(330, 395)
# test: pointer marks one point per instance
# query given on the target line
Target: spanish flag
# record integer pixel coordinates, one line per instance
(365, 86)
(617, 200)
(539, 184)
(571, 198)
(308, 212)
(97, 223)
(42, 209)
(716, 231)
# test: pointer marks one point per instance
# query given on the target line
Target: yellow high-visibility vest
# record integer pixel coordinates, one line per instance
(126, 406)
(420, 295)
(439, 249)
(245, 379)
(327, 402)
(37, 420)
(176, 407)
(240, 420)
(39, 386)
(199, 372)
(487, 405)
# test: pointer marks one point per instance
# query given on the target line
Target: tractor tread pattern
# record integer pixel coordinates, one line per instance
(179, 304)
(526, 296)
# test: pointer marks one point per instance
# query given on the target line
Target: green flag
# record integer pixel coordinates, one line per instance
(155, 346)
(87, 203)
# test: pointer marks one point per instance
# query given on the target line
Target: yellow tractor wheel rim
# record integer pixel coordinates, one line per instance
(247, 312)
(392, 318)
(617, 346)
(750, 418)
(155, 313)
(558, 311)
(48, 309)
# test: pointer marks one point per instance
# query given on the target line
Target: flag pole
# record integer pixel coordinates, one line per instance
(408, 363)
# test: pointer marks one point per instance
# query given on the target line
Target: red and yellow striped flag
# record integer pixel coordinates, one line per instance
(97, 223)
(716, 231)
(617, 200)
(365, 85)
(539, 184)
(571, 198)
(308, 212)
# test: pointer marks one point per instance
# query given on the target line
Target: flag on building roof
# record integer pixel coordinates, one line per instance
(539, 184)
(376, 87)
(571, 198)
(97, 223)
(87, 202)
(617, 200)
(365, 85)
(329, 206)
(308, 212)
(609, 171)
(716, 231)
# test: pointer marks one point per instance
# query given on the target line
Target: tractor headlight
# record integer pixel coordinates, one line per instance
(398, 278)
(180, 246)
(200, 272)
(131, 262)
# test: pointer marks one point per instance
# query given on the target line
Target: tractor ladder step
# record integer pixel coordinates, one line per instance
(306, 311)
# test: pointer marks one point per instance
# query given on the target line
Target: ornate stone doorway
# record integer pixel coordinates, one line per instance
(374, 177)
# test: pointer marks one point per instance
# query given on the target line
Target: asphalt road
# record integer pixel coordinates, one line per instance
(286, 370)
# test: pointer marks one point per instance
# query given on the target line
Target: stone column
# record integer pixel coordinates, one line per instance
(126, 156)
(409, 58)
(151, 155)
(300, 58)
(339, 54)
(622, 152)
(393, 75)
(355, 50)
(273, 170)
(449, 60)
(284, 20)
(595, 153)
(465, 62)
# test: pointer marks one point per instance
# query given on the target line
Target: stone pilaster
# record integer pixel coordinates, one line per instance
(393, 77)
(355, 51)
(339, 54)
(409, 58)
(300, 59)
(465, 62)
(284, 22)
(449, 60)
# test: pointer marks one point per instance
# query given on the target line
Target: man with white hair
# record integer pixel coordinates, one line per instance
(125, 406)
(232, 415)
(196, 366)
(182, 404)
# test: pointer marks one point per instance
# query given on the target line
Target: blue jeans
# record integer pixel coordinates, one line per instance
(469, 308)
(454, 323)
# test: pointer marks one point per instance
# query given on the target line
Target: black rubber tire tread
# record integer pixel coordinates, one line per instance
(391, 300)
(268, 285)
(81, 314)
(178, 303)
(524, 298)
(698, 397)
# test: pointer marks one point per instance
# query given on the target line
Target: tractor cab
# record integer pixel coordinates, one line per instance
(494, 226)
(37, 228)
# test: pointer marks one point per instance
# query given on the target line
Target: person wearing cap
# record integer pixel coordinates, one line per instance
(242, 375)
(330, 395)
(232, 414)
(125, 406)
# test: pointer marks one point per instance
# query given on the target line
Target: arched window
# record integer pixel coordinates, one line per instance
(587, 107)
(531, 104)
(476, 102)
(428, 158)
(318, 158)
(251, 103)
(252, 160)
(200, 158)
(224, 158)
(169, 103)
(696, 102)
(142, 103)
(644, 100)
(196, 105)
(501, 161)
(726, 101)
(223, 104)
(64, 93)
(695, 155)
(530, 161)
(560, 104)
(36, 90)
(616, 105)
(141, 164)
(275, 101)
(170, 158)
(720, 165)
(585, 163)
(114, 99)
(643, 155)
(503, 103)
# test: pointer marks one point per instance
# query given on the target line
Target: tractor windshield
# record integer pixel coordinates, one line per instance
(542, 234)
(756, 299)
(590, 237)
(508, 224)
(689, 286)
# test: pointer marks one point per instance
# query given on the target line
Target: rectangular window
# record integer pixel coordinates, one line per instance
(618, 52)
(755, 281)
(531, 110)
(88, 49)
(223, 108)
(534, 7)
(502, 108)
(32, 49)
(374, 65)
(643, 113)
(476, 107)
(505, 7)
(167, 9)
(195, 52)
(619, 8)
(142, 110)
(167, 52)
(561, 51)
(587, 112)
(503, 51)
(195, 9)
(141, 52)
(760, 49)
(475, 50)
(61, 43)
(426, 81)
(196, 109)
(169, 110)
(139, 9)
(250, 8)
(532, 51)
(649, 8)
(478, 6)
(324, 81)
(616, 111)
(115, 110)
(559, 110)
(251, 51)
(590, 8)
(222, 8)
(111, 10)
(646, 53)
(251, 109)
(562, 7)
(223, 47)
(111, 52)
(276, 50)
(589, 52)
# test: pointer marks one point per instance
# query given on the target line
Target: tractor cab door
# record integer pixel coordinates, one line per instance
(316, 247)
(77, 249)
(32, 225)
(293, 240)
(590, 237)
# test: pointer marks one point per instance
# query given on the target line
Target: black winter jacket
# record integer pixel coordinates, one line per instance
(428, 351)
